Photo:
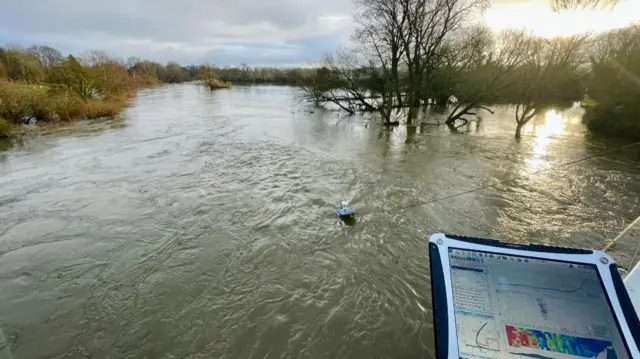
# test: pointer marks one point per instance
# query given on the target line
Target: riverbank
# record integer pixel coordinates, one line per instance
(22, 103)
(39, 85)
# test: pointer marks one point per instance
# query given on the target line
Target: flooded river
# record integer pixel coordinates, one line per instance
(202, 225)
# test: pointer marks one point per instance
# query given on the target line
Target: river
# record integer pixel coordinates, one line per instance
(202, 225)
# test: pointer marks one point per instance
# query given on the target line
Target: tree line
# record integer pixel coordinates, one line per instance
(39, 83)
(414, 54)
(265, 75)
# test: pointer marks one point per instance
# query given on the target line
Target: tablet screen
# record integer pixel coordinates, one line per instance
(520, 307)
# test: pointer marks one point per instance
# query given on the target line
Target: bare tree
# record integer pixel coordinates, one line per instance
(430, 23)
(132, 61)
(559, 5)
(549, 63)
(96, 58)
(402, 45)
(346, 82)
(48, 56)
(381, 27)
(486, 71)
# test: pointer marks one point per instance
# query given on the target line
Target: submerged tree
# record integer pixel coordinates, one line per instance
(209, 77)
(549, 76)
(403, 43)
(613, 84)
(346, 80)
(481, 70)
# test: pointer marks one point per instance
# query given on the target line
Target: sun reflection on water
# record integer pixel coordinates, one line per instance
(543, 128)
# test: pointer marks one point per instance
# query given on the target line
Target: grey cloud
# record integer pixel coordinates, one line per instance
(187, 29)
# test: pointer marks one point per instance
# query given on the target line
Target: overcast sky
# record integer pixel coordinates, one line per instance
(221, 32)
(278, 32)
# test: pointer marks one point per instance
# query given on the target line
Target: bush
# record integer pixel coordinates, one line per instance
(612, 85)
(6, 128)
(65, 106)
(215, 84)
(100, 109)
(115, 82)
(17, 101)
(209, 77)
(20, 65)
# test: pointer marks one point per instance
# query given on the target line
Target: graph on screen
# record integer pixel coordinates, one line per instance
(517, 307)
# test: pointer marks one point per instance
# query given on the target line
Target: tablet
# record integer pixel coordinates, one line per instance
(497, 300)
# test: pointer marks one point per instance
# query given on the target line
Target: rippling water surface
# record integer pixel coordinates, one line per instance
(201, 225)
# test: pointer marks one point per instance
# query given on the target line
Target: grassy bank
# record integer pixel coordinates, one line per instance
(42, 86)
(39, 84)
(20, 103)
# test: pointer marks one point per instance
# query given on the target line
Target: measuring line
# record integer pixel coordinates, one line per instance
(534, 173)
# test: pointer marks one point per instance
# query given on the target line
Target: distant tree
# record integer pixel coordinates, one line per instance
(116, 81)
(144, 72)
(209, 77)
(190, 73)
(132, 61)
(21, 65)
(96, 58)
(48, 56)
(172, 73)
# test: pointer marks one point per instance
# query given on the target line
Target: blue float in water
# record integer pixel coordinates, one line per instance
(346, 211)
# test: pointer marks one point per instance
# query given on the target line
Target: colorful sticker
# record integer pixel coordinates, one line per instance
(559, 343)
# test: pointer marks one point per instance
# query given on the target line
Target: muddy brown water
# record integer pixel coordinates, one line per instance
(202, 225)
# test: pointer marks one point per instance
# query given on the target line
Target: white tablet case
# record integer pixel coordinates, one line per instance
(442, 291)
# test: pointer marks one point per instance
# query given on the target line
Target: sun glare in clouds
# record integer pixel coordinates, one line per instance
(537, 16)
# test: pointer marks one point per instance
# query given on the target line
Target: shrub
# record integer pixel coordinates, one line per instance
(20, 65)
(117, 82)
(6, 128)
(65, 106)
(80, 80)
(18, 101)
(209, 77)
(100, 109)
